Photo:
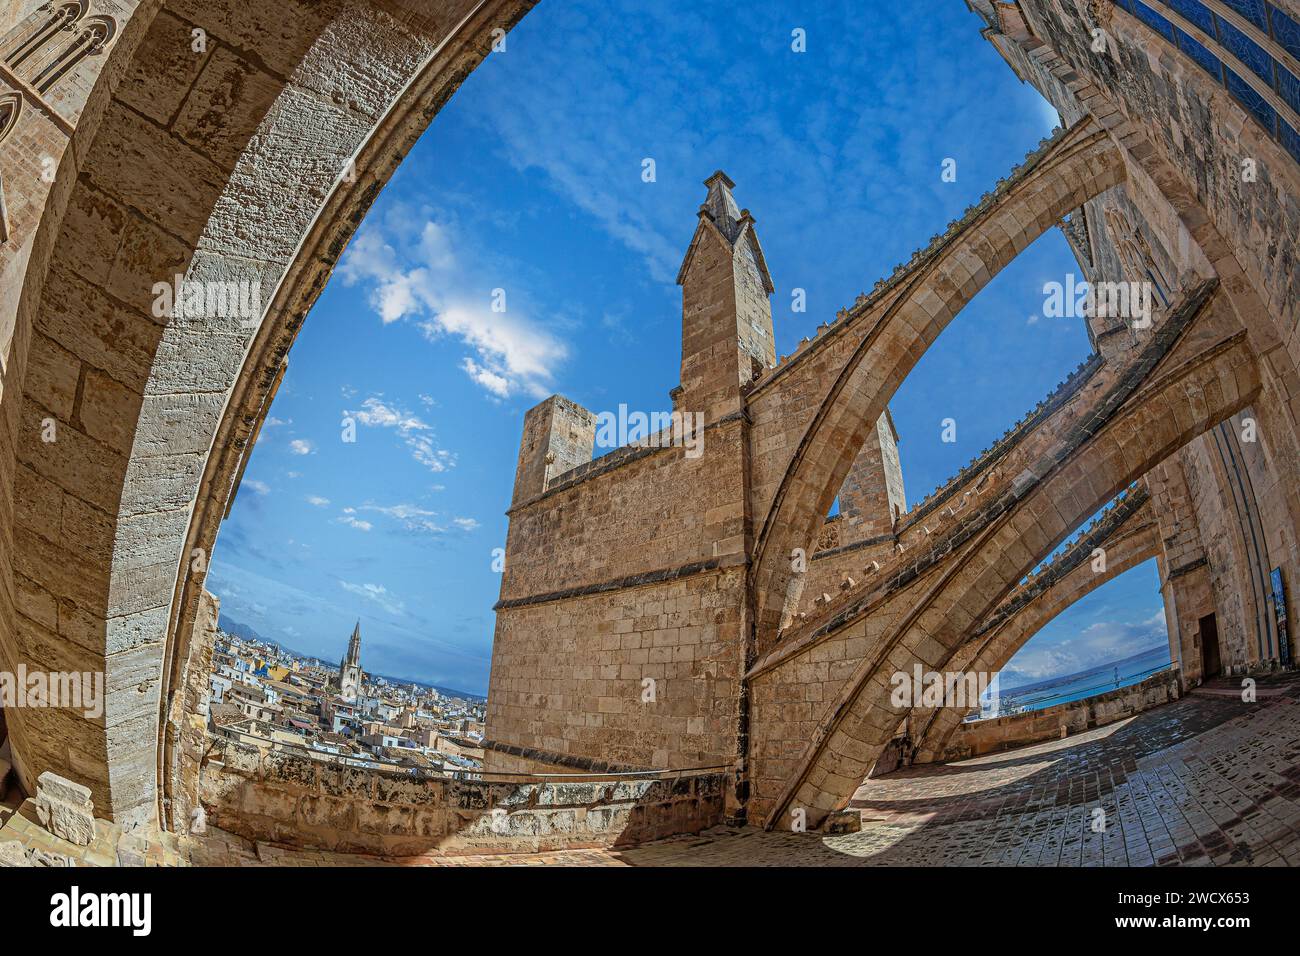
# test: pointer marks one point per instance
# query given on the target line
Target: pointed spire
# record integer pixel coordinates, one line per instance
(354, 646)
(721, 204)
(720, 208)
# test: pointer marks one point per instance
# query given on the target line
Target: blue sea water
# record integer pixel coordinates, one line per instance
(1089, 683)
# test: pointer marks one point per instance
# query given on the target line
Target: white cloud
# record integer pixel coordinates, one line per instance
(468, 524)
(411, 517)
(317, 500)
(260, 487)
(1097, 644)
(300, 446)
(498, 385)
(419, 278)
(374, 592)
(350, 519)
(416, 433)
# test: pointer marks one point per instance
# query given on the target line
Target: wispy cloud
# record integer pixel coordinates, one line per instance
(301, 446)
(349, 518)
(414, 431)
(318, 501)
(411, 517)
(417, 520)
(376, 593)
(1099, 643)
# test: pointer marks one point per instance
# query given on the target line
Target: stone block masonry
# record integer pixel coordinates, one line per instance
(639, 588)
(622, 634)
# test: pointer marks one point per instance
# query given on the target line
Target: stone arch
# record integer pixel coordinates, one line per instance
(1195, 388)
(11, 106)
(1136, 255)
(877, 347)
(991, 652)
(234, 166)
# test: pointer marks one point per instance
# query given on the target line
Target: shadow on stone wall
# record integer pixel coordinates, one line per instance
(288, 797)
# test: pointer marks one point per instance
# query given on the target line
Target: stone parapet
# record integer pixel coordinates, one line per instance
(290, 798)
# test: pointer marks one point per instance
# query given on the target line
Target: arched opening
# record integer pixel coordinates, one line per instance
(1108, 639)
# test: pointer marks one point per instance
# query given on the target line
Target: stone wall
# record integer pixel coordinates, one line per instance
(1187, 205)
(872, 497)
(978, 737)
(186, 728)
(287, 797)
(224, 164)
(603, 594)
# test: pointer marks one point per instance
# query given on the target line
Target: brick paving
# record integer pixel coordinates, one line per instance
(1208, 780)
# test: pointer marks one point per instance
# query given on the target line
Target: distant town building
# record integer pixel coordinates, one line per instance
(264, 695)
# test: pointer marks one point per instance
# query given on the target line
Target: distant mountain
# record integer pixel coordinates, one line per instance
(240, 630)
(236, 629)
(244, 632)
(445, 691)
(1123, 665)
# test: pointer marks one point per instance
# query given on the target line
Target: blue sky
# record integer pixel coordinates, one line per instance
(530, 181)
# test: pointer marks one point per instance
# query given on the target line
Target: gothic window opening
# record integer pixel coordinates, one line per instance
(91, 41)
(59, 19)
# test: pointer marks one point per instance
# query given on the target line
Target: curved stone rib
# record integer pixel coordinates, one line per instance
(866, 301)
(1059, 436)
(1128, 543)
(264, 193)
(1080, 164)
(964, 489)
(1170, 408)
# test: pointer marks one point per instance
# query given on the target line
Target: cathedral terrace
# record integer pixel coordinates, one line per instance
(619, 337)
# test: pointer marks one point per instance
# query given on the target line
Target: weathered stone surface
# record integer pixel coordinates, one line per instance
(65, 808)
(649, 565)
(66, 821)
(395, 815)
(239, 150)
(12, 853)
(845, 821)
(50, 784)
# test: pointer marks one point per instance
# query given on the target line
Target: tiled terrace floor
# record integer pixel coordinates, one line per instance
(1208, 780)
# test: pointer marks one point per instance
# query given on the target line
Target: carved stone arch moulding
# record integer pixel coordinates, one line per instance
(92, 39)
(11, 106)
(35, 33)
